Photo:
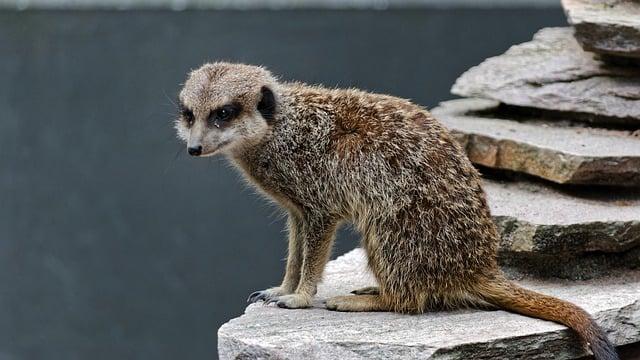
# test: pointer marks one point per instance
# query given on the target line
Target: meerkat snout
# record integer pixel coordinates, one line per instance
(224, 106)
(195, 151)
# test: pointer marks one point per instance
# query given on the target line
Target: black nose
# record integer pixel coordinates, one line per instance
(195, 151)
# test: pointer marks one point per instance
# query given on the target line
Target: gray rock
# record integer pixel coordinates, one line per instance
(611, 219)
(563, 154)
(610, 27)
(578, 233)
(268, 332)
(553, 73)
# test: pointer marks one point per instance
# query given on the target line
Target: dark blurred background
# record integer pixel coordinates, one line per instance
(114, 244)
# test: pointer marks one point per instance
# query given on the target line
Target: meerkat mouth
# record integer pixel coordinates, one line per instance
(210, 153)
(215, 150)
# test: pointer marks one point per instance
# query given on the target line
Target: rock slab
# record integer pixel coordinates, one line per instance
(553, 73)
(562, 154)
(609, 27)
(576, 234)
(268, 332)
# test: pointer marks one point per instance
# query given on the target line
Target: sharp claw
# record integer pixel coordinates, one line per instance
(270, 300)
(281, 304)
(256, 296)
(355, 292)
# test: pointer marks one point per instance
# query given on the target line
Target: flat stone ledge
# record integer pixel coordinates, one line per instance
(552, 72)
(268, 332)
(562, 154)
(535, 203)
(609, 27)
(577, 234)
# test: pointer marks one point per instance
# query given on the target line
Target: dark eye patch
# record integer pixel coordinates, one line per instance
(187, 115)
(224, 114)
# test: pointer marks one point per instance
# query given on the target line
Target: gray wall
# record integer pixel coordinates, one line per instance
(266, 4)
(113, 243)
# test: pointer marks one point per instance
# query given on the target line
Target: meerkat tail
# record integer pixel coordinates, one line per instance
(510, 296)
(357, 303)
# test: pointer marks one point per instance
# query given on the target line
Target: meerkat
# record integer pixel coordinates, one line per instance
(384, 164)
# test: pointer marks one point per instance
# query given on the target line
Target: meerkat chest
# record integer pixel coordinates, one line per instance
(291, 169)
(282, 170)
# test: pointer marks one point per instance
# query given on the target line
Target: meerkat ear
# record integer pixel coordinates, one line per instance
(267, 105)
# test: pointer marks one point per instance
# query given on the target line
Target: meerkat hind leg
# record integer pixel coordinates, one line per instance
(369, 290)
(356, 303)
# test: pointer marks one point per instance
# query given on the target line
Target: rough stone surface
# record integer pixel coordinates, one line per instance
(563, 154)
(268, 332)
(575, 234)
(610, 27)
(553, 73)
(613, 213)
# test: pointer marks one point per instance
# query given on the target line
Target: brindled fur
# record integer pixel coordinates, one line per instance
(386, 165)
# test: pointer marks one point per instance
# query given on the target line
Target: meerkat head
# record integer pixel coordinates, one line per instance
(224, 106)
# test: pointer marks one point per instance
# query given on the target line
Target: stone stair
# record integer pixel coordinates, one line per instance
(268, 332)
(559, 127)
(607, 27)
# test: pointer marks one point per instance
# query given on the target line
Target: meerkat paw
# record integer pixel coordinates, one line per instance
(267, 295)
(355, 303)
(291, 301)
(369, 290)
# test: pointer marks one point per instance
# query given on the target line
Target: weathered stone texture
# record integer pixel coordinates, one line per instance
(610, 27)
(268, 332)
(614, 214)
(562, 154)
(578, 233)
(553, 73)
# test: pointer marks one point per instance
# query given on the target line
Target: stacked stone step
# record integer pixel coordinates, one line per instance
(607, 27)
(564, 110)
(268, 332)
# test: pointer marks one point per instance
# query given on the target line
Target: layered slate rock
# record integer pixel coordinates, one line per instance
(571, 233)
(563, 154)
(553, 73)
(268, 332)
(609, 27)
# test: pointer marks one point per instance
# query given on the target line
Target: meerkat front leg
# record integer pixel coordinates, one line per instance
(293, 268)
(317, 235)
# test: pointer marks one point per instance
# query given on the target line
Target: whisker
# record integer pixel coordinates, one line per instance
(169, 98)
(175, 157)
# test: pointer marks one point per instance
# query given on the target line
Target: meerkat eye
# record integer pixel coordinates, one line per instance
(223, 114)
